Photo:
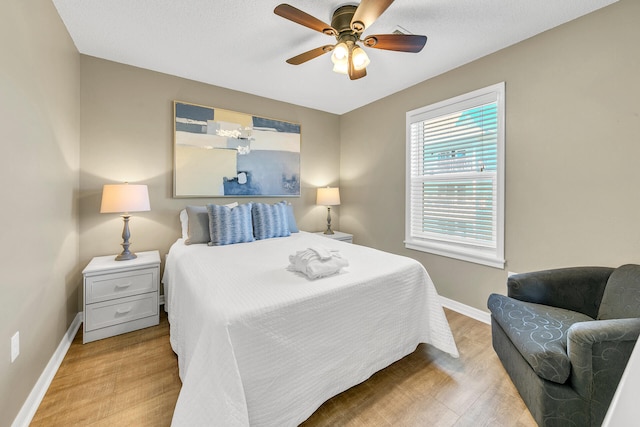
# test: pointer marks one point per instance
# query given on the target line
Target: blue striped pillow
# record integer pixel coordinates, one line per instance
(270, 220)
(291, 219)
(230, 225)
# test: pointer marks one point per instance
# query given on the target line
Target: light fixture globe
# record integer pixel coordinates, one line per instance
(340, 53)
(359, 58)
(340, 58)
(341, 66)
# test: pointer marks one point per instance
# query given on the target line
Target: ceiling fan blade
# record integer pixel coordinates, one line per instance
(357, 74)
(367, 12)
(310, 54)
(299, 17)
(397, 42)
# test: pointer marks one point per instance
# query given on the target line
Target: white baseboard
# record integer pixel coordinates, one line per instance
(474, 313)
(30, 406)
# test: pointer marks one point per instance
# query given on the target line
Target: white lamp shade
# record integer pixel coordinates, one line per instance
(124, 198)
(328, 196)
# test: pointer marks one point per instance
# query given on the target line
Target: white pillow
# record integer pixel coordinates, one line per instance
(184, 222)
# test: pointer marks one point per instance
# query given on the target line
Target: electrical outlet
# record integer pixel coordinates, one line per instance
(15, 346)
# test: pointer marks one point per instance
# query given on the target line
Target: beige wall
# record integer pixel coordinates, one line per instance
(573, 137)
(572, 149)
(127, 135)
(40, 122)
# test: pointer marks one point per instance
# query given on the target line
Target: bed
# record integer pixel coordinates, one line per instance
(260, 345)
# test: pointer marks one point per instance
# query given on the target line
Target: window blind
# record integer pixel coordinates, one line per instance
(453, 162)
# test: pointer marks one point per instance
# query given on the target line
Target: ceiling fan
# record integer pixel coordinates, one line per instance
(347, 25)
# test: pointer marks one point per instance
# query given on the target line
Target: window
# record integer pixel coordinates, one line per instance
(455, 177)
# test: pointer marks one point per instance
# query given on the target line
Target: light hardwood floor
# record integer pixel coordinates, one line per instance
(132, 380)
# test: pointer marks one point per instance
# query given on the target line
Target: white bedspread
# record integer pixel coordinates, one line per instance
(260, 345)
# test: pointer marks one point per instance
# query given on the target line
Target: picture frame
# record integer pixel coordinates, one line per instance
(223, 153)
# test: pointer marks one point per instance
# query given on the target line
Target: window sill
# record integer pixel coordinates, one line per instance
(477, 256)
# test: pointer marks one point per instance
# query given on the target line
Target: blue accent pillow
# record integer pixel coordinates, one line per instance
(230, 225)
(291, 219)
(270, 220)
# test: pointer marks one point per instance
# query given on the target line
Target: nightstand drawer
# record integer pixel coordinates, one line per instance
(109, 313)
(116, 285)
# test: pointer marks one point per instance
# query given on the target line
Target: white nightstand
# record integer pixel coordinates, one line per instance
(120, 296)
(338, 235)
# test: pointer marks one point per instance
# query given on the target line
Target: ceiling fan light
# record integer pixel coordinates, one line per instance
(340, 52)
(341, 66)
(360, 58)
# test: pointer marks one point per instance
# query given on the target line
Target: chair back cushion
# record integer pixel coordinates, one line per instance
(621, 299)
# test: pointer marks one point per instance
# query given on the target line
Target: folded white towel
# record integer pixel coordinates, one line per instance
(323, 252)
(317, 262)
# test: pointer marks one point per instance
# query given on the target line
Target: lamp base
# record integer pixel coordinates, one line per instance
(328, 230)
(126, 255)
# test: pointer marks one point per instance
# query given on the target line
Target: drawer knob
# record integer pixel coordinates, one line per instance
(123, 285)
(123, 310)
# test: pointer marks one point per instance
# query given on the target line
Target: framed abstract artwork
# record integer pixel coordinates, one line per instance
(222, 153)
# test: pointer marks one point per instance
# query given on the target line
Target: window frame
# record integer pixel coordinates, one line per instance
(489, 256)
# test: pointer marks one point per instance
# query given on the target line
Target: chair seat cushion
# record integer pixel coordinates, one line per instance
(539, 332)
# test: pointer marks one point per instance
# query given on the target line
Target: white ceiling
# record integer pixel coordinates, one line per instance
(243, 45)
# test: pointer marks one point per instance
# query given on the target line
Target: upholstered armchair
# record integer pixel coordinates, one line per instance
(564, 337)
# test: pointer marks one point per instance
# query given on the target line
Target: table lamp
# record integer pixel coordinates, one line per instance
(328, 197)
(125, 198)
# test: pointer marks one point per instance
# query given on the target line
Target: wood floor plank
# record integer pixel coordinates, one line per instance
(132, 379)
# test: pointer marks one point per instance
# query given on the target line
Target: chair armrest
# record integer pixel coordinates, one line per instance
(575, 288)
(599, 351)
